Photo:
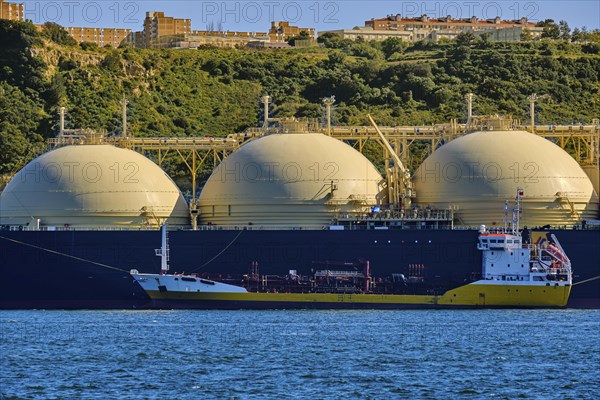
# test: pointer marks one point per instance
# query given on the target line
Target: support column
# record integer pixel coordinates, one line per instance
(469, 97)
(532, 100)
(61, 131)
(124, 116)
(266, 100)
(328, 102)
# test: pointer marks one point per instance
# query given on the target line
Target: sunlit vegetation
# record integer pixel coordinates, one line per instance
(217, 91)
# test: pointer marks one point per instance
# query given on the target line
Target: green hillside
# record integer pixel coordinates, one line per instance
(216, 91)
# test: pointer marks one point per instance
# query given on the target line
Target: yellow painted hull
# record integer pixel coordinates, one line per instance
(469, 296)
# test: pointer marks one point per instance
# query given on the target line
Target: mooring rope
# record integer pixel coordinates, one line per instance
(221, 252)
(587, 280)
(63, 254)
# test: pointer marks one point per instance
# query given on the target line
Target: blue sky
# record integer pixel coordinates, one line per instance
(255, 16)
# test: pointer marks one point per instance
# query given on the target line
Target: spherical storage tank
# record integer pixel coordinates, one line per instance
(290, 179)
(477, 172)
(91, 185)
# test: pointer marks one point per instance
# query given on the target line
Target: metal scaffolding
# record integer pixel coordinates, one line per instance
(582, 141)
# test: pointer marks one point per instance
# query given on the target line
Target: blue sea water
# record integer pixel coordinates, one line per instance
(497, 354)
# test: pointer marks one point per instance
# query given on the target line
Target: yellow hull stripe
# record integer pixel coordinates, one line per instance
(468, 295)
(503, 295)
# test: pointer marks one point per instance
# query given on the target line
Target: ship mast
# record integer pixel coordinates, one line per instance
(163, 252)
(517, 211)
(512, 224)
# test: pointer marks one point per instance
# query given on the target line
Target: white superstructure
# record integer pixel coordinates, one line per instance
(507, 260)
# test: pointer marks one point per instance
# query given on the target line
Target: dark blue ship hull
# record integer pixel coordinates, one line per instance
(89, 269)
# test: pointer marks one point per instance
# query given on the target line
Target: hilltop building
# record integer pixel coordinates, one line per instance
(161, 31)
(397, 22)
(112, 37)
(436, 29)
(178, 35)
(156, 28)
(11, 11)
(197, 39)
(282, 31)
(370, 34)
(157, 25)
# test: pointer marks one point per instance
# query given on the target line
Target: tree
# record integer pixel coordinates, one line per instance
(217, 91)
(56, 94)
(58, 34)
(335, 59)
(591, 48)
(565, 31)
(551, 29)
(526, 35)
(304, 35)
(466, 38)
(331, 40)
(391, 46)
(211, 27)
(17, 34)
(485, 39)
(112, 62)
(20, 117)
(88, 46)
(576, 37)
(362, 49)
(18, 65)
(594, 36)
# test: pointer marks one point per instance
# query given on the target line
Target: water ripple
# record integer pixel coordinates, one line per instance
(499, 354)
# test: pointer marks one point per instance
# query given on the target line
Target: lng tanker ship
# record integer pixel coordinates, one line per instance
(541, 276)
(77, 219)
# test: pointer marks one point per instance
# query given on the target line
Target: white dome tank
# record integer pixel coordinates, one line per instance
(477, 172)
(92, 185)
(290, 179)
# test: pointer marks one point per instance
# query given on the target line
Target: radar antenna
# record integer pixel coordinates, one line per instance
(511, 224)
